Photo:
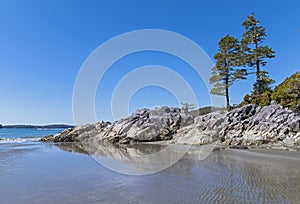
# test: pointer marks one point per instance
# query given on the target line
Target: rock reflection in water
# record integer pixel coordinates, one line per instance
(132, 159)
(108, 149)
(230, 176)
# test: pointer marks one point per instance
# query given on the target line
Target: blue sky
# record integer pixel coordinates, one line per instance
(44, 43)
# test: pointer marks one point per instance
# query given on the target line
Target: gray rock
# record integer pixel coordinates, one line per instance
(142, 126)
(248, 125)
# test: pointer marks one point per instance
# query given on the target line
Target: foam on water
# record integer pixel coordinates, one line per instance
(25, 135)
(20, 140)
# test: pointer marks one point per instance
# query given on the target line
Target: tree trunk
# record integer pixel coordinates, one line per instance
(227, 85)
(258, 82)
(227, 93)
(227, 100)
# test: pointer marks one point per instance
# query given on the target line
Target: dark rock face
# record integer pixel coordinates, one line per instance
(142, 126)
(248, 125)
(147, 125)
(64, 136)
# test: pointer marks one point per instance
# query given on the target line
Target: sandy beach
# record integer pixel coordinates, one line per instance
(46, 173)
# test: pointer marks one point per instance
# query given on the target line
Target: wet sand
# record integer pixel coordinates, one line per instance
(47, 173)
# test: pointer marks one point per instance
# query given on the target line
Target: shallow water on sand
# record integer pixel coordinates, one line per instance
(47, 173)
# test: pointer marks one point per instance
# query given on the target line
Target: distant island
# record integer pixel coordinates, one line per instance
(62, 126)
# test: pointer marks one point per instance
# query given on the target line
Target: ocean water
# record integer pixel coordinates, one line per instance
(35, 172)
(25, 134)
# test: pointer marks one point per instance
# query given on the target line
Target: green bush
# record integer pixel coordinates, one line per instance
(263, 99)
(287, 93)
(206, 110)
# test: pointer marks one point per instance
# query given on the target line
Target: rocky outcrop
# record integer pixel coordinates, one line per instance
(142, 126)
(248, 125)
(77, 134)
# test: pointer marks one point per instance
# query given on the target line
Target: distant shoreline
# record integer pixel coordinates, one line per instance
(38, 126)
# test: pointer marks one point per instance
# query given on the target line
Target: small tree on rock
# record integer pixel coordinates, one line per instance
(186, 107)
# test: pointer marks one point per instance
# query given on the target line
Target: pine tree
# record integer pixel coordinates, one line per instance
(224, 72)
(254, 54)
(264, 83)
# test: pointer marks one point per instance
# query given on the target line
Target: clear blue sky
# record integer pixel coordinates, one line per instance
(44, 43)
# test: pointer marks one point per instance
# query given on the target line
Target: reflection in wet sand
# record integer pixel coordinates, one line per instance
(133, 159)
(224, 176)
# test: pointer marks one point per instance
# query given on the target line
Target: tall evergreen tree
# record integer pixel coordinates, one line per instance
(224, 72)
(254, 53)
